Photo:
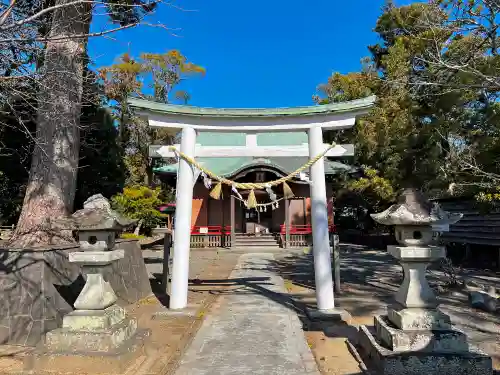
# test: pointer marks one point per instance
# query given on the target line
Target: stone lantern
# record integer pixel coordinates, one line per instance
(98, 225)
(415, 337)
(98, 324)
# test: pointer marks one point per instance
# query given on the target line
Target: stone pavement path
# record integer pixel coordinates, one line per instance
(253, 331)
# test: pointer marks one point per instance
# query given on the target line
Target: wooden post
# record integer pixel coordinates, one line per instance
(287, 223)
(304, 208)
(468, 252)
(167, 243)
(223, 235)
(498, 265)
(336, 262)
(207, 237)
(233, 213)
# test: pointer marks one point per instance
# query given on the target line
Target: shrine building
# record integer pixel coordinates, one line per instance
(252, 156)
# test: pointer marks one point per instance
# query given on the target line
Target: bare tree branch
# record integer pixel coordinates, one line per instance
(6, 13)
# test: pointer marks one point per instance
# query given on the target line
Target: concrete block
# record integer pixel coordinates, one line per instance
(162, 313)
(328, 315)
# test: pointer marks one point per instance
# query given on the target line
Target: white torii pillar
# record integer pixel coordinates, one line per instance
(183, 212)
(319, 217)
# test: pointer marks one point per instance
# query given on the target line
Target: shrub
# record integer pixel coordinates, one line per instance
(141, 203)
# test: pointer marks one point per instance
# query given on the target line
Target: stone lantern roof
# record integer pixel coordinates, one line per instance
(97, 215)
(413, 209)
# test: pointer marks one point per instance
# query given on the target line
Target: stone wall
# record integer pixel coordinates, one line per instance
(38, 288)
(128, 276)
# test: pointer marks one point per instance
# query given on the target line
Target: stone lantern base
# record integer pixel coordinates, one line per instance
(396, 352)
(415, 337)
(98, 335)
(94, 331)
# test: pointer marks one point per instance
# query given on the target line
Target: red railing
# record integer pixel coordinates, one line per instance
(211, 229)
(303, 229)
(219, 230)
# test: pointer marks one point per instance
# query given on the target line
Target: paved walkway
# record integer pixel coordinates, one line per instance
(253, 332)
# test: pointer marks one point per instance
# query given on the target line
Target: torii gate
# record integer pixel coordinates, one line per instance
(313, 119)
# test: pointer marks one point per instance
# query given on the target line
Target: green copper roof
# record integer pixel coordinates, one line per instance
(227, 167)
(354, 105)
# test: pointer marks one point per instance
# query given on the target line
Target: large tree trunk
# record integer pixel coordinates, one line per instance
(52, 182)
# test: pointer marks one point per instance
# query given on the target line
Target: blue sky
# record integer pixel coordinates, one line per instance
(257, 53)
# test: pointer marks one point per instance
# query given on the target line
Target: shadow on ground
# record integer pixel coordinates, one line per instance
(369, 280)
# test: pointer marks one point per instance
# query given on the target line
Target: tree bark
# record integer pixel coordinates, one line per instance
(52, 181)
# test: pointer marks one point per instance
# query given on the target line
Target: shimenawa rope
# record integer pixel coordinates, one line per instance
(252, 202)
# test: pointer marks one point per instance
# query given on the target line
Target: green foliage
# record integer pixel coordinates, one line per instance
(132, 236)
(350, 86)
(167, 71)
(124, 79)
(141, 203)
(137, 160)
(436, 75)
(359, 196)
(485, 197)
(376, 190)
(120, 81)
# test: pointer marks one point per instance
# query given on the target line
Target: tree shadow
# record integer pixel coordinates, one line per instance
(159, 290)
(369, 280)
(150, 260)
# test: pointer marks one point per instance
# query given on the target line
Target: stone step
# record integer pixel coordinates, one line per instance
(257, 242)
(266, 240)
(256, 249)
(244, 235)
(256, 239)
(257, 245)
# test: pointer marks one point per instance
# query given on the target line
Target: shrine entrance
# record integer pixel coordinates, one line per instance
(269, 215)
(253, 123)
(257, 220)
